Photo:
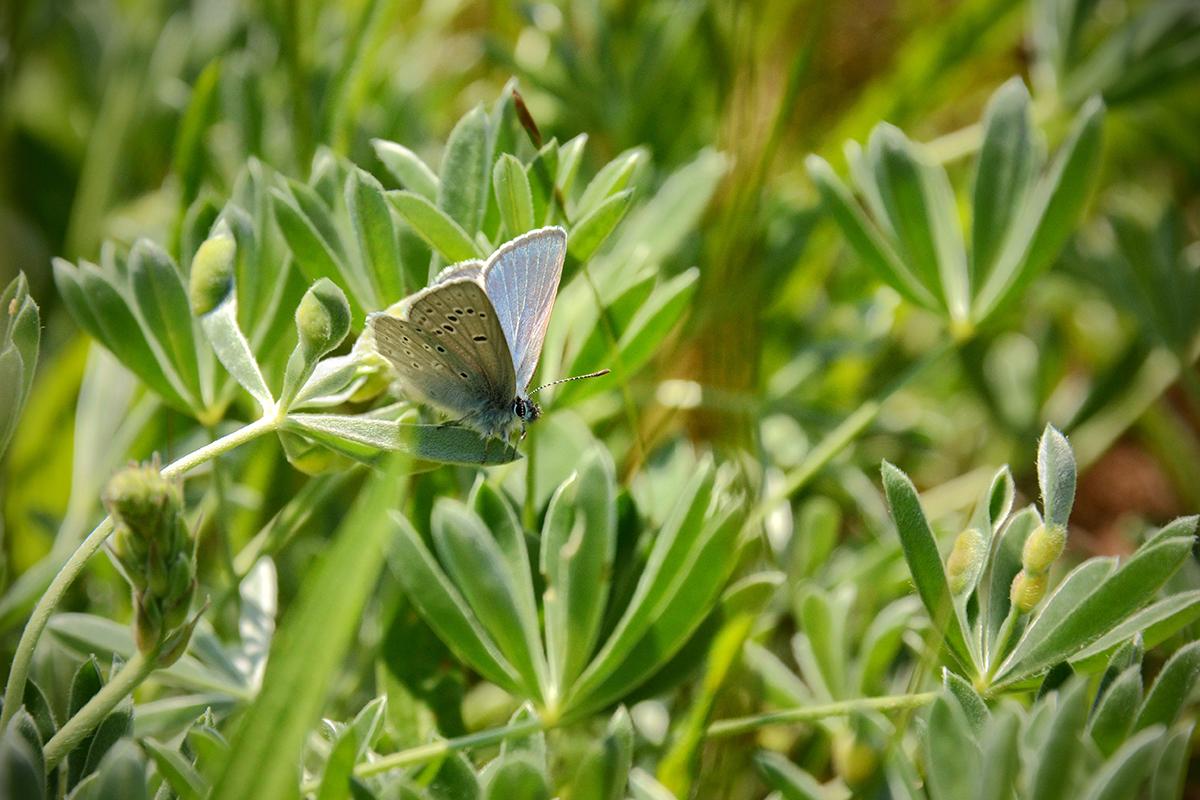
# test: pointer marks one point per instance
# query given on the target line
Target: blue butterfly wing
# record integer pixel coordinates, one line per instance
(522, 279)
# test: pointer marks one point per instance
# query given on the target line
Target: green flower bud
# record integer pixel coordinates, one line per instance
(965, 560)
(147, 623)
(1027, 591)
(322, 318)
(212, 273)
(140, 499)
(854, 760)
(1042, 548)
(156, 572)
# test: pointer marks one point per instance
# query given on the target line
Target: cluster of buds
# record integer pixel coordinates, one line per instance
(158, 555)
(1042, 549)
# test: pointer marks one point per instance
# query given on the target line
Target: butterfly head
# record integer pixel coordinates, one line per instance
(525, 410)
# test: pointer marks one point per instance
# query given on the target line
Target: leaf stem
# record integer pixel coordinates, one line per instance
(119, 686)
(427, 752)
(732, 727)
(19, 672)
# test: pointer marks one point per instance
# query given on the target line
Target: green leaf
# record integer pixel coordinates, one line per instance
(1171, 767)
(365, 437)
(268, 741)
(706, 570)
(579, 543)
(1056, 476)
(1009, 159)
(163, 304)
(612, 178)
(455, 780)
(444, 608)
(220, 326)
(1059, 754)
(921, 213)
(176, 770)
(1048, 217)
(122, 774)
(190, 158)
(1124, 592)
(474, 562)
(465, 171)
(881, 643)
(657, 228)
(1116, 710)
(108, 734)
(824, 628)
(604, 770)
(22, 768)
(924, 561)
(1156, 623)
(952, 754)
(863, 236)
(315, 255)
(515, 778)
(783, 776)
(84, 685)
(1122, 774)
(541, 173)
(500, 518)
(339, 770)
(592, 230)
(103, 312)
(20, 339)
(817, 524)
(676, 539)
(1171, 688)
(378, 245)
(433, 225)
(974, 709)
(570, 154)
(1001, 757)
(408, 168)
(513, 196)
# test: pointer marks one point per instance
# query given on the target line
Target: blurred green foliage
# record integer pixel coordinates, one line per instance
(806, 238)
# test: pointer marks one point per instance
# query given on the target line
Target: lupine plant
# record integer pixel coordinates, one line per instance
(770, 554)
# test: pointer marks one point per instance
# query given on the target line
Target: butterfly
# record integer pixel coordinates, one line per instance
(468, 344)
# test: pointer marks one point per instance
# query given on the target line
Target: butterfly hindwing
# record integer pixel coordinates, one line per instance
(522, 281)
(449, 349)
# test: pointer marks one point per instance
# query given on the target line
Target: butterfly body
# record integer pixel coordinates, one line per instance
(468, 344)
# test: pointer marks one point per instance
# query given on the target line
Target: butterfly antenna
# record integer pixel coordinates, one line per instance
(568, 380)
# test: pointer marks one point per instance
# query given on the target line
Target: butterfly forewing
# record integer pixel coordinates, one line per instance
(449, 349)
(522, 280)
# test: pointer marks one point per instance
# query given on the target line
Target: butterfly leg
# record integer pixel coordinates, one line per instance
(453, 423)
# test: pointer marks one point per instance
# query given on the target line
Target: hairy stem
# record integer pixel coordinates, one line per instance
(119, 686)
(19, 672)
(732, 727)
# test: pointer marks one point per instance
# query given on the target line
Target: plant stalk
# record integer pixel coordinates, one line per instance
(428, 752)
(119, 686)
(14, 692)
(732, 727)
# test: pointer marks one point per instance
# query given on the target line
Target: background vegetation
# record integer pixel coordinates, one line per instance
(807, 238)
